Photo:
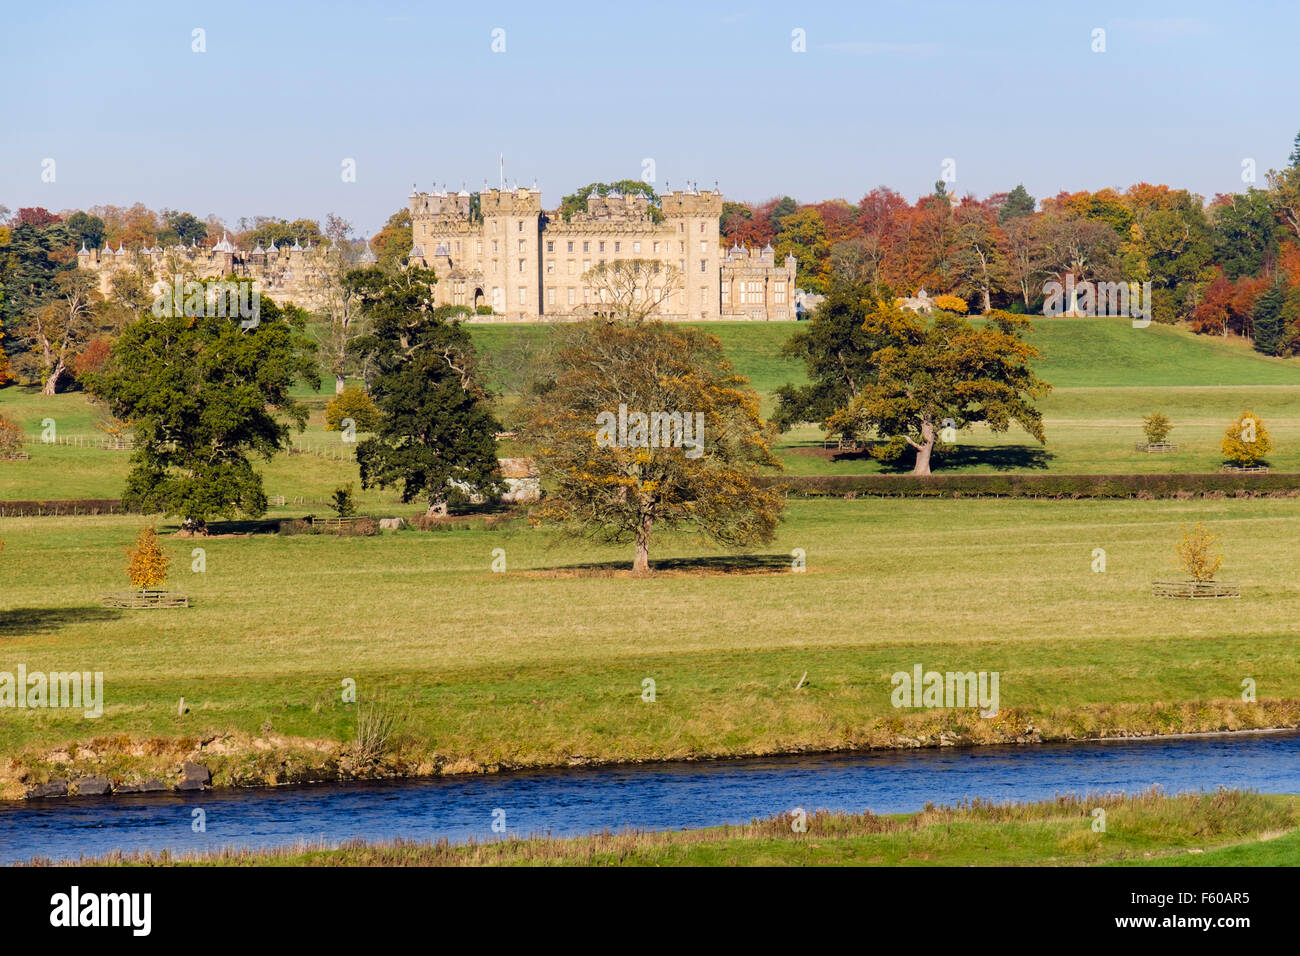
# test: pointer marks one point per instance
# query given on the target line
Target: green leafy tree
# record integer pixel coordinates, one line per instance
(944, 369)
(1017, 204)
(436, 433)
(836, 348)
(1270, 324)
(696, 471)
(203, 395)
(86, 229)
(576, 202)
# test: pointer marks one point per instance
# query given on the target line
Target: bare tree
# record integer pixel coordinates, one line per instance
(339, 305)
(631, 289)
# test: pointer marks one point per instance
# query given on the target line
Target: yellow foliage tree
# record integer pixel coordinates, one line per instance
(951, 303)
(1195, 555)
(148, 565)
(1246, 441)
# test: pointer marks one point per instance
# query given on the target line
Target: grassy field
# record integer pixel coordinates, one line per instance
(543, 664)
(1107, 376)
(1224, 828)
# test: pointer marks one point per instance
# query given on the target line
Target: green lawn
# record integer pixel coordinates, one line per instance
(538, 667)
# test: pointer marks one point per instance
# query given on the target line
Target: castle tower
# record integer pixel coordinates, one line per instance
(693, 218)
(512, 230)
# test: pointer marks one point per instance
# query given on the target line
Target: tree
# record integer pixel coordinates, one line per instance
(978, 263)
(202, 395)
(11, 439)
(1157, 428)
(338, 299)
(684, 455)
(1195, 555)
(576, 202)
(631, 289)
(353, 403)
(1017, 204)
(86, 229)
(392, 244)
(802, 234)
(1270, 325)
(181, 228)
(1244, 232)
(60, 327)
(932, 370)
(836, 348)
(147, 567)
(436, 434)
(1246, 441)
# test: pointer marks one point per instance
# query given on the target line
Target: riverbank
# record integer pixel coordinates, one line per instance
(123, 765)
(1151, 829)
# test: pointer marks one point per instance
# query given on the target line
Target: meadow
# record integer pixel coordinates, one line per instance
(544, 663)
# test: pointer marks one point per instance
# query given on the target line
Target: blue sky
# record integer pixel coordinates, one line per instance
(261, 122)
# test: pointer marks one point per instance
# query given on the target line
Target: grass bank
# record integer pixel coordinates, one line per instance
(1151, 829)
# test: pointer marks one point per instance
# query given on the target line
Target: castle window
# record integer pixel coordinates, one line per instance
(726, 293)
(681, 265)
(521, 264)
(570, 246)
(570, 295)
(478, 247)
(656, 248)
(523, 294)
(550, 267)
(494, 246)
(550, 246)
(681, 227)
(521, 245)
(586, 247)
(550, 297)
(778, 293)
(636, 248)
(521, 226)
(602, 246)
(617, 246)
(458, 247)
(681, 247)
(704, 246)
(704, 265)
(572, 264)
(586, 265)
(496, 265)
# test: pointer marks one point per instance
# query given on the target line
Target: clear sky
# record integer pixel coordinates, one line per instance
(262, 122)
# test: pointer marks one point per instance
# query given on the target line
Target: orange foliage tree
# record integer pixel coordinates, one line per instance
(148, 562)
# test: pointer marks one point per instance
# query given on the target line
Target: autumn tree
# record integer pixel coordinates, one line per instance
(631, 290)
(11, 438)
(147, 564)
(932, 369)
(684, 452)
(1246, 441)
(1196, 553)
(60, 327)
(1157, 427)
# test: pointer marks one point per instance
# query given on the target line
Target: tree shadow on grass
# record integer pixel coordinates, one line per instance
(25, 621)
(998, 457)
(705, 565)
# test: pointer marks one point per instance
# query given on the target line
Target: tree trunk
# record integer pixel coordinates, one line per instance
(52, 382)
(338, 384)
(924, 449)
(641, 563)
(988, 303)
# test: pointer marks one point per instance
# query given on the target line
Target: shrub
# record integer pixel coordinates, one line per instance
(11, 438)
(295, 526)
(1246, 441)
(1157, 428)
(353, 403)
(951, 303)
(1195, 555)
(343, 503)
(483, 310)
(148, 563)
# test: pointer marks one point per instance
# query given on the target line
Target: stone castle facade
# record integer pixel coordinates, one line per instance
(523, 263)
(285, 273)
(528, 265)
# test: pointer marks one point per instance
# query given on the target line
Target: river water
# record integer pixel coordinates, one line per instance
(650, 797)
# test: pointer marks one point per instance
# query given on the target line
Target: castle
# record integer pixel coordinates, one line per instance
(285, 274)
(507, 260)
(528, 265)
